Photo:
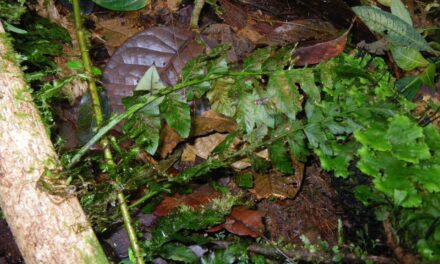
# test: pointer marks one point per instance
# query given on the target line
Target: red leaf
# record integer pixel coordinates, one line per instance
(320, 52)
(201, 196)
(243, 222)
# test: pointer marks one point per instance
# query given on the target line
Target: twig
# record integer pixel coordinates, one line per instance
(305, 255)
(99, 118)
(198, 6)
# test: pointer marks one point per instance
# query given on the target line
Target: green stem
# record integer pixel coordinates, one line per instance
(99, 118)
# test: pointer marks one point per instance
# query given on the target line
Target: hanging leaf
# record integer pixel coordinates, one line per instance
(398, 9)
(395, 29)
(122, 5)
(408, 58)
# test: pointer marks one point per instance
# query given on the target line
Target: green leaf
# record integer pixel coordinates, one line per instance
(432, 137)
(122, 5)
(374, 137)
(409, 86)
(222, 98)
(397, 31)
(223, 147)
(74, 65)
(245, 180)
(406, 139)
(177, 114)
(280, 157)
(408, 58)
(339, 162)
(428, 177)
(178, 252)
(284, 94)
(398, 9)
(428, 76)
(315, 134)
(150, 81)
(144, 125)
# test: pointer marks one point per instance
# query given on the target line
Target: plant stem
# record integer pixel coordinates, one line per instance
(198, 6)
(99, 118)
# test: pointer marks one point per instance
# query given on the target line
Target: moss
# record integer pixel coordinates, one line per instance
(10, 54)
(99, 256)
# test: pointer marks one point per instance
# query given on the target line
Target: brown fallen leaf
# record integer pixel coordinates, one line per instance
(300, 30)
(242, 222)
(277, 185)
(201, 196)
(117, 30)
(317, 53)
(209, 122)
(205, 145)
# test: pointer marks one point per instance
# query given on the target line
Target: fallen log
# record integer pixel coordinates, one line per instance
(49, 227)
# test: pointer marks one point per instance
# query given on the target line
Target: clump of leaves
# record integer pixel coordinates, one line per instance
(11, 11)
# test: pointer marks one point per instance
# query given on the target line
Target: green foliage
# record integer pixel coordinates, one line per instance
(399, 10)
(11, 11)
(122, 5)
(43, 41)
(396, 30)
(408, 59)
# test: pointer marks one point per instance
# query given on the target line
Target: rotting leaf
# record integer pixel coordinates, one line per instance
(279, 186)
(243, 222)
(319, 52)
(169, 49)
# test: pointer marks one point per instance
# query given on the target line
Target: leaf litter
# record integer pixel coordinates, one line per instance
(286, 206)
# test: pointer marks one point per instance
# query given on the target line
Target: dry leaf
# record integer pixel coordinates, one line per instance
(205, 145)
(320, 52)
(277, 185)
(117, 30)
(189, 154)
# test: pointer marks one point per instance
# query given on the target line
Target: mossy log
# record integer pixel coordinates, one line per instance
(48, 228)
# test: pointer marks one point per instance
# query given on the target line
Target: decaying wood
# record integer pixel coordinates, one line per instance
(47, 228)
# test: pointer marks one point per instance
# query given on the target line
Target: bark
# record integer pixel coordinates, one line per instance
(48, 228)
